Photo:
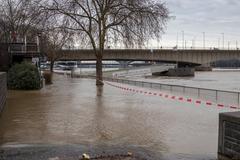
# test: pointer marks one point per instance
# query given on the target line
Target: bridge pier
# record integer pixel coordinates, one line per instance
(124, 64)
(204, 67)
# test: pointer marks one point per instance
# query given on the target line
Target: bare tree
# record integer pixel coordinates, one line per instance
(129, 22)
(52, 41)
(18, 18)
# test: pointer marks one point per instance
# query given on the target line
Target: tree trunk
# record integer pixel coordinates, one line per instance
(51, 66)
(99, 73)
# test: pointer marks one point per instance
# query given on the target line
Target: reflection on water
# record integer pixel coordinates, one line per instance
(99, 91)
(74, 111)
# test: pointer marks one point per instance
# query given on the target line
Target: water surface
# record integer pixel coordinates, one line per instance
(219, 79)
(74, 111)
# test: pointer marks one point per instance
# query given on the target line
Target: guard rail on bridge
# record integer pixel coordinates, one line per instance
(217, 96)
(159, 48)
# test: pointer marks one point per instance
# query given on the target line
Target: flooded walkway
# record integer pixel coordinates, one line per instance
(73, 112)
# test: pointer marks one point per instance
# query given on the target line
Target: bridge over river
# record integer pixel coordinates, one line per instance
(192, 56)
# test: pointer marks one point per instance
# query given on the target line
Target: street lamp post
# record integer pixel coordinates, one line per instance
(203, 40)
(193, 42)
(223, 36)
(176, 51)
(183, 39)
(152, 55)
(177, 40)
(38, 41)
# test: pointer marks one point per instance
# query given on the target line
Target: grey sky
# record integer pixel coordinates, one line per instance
(197, 16)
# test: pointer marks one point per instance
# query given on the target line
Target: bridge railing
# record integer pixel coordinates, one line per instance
(159, 48)
(213, 95)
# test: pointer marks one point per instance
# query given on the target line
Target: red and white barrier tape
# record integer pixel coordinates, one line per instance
(173, 97)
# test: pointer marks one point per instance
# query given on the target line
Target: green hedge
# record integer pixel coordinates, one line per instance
(24, 76)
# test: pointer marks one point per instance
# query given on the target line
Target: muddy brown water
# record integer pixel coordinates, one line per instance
(76, 112)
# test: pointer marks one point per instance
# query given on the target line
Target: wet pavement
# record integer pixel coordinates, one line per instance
(72, 117)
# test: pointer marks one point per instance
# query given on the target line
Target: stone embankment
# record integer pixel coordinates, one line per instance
(3, 90)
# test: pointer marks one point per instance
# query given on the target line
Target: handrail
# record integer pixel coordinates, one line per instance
(198, 89)
(152, 49)
(174, 85)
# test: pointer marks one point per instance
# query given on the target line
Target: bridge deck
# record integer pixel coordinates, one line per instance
(188, 56)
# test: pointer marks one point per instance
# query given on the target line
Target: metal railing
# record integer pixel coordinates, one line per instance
(22, 48)
(213, 95)
(157, 48)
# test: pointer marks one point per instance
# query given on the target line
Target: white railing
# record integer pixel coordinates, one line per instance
(217, 96)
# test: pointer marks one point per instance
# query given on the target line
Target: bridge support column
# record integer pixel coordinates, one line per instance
(204, 67)
(124, 64)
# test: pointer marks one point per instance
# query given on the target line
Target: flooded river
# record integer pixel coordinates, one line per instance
(75, 112)
(218, 79)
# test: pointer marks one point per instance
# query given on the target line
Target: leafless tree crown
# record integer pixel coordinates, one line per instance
(128, 22)
(18, 16)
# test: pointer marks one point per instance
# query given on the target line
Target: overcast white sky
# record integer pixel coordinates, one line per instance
(197, 16)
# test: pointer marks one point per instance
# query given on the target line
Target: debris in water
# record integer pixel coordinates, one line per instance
(129, 154)
(85, 156)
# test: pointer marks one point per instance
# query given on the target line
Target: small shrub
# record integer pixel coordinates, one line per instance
(48, 77)
(24, 76)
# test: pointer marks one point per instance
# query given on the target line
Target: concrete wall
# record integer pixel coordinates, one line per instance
(3, 90)
(229, 135)
(4, 57)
